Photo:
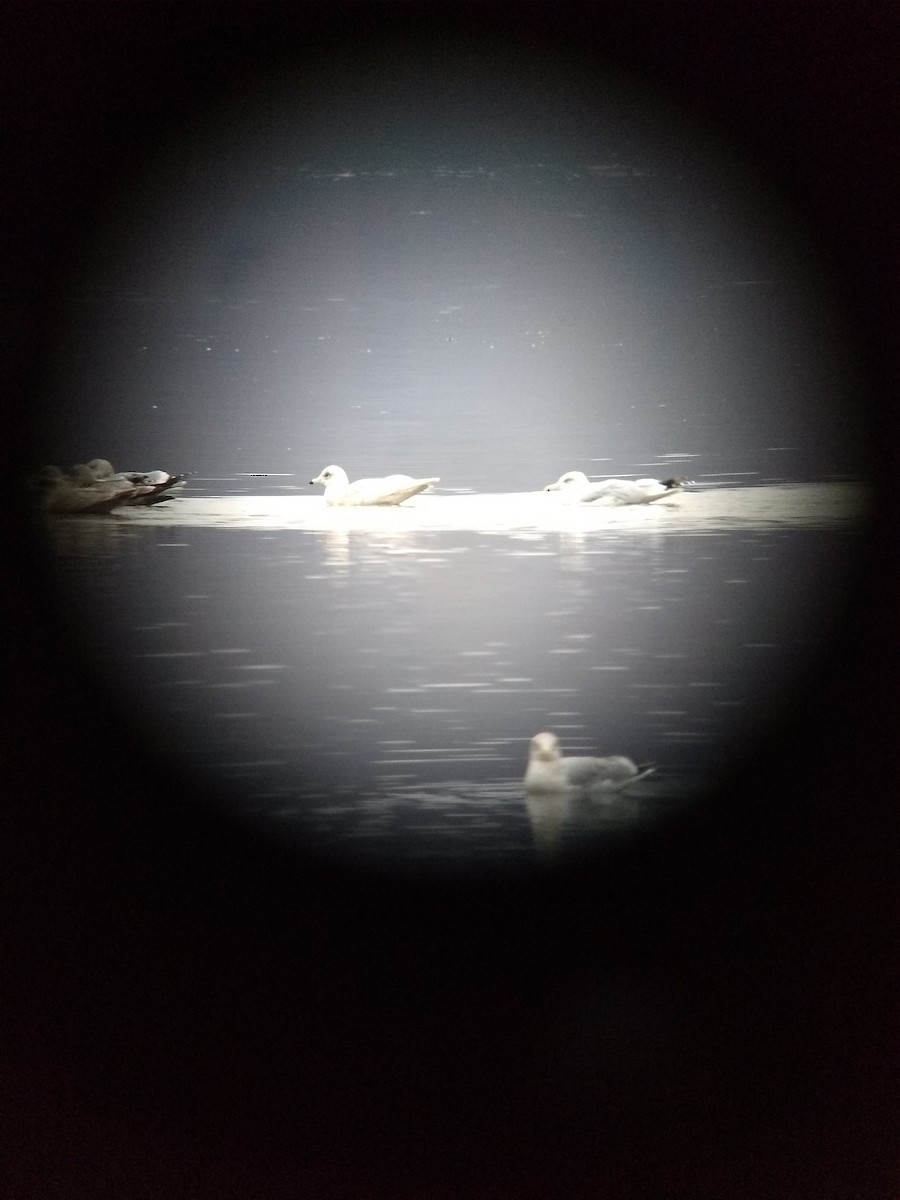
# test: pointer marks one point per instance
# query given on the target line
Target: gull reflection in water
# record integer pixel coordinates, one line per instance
(577, 816)
(337, 548)
(548, 815)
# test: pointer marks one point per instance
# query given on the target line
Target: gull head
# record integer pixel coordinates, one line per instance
(330, 474)
(569, 479)
(544, 748)
(100, 468)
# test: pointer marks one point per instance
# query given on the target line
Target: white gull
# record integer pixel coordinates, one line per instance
(576, 488)
(549, 771)
(391, 489)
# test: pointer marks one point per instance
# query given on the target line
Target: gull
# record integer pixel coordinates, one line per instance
(578, 489)
(160, 483)
(548, 771)
(392, 489)
(77, 491)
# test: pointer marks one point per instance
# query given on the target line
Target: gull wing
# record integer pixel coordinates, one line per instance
(392, 489)
(634, 778)
(615, 771)
(87, 500)
(156, 493)
(598, 491)
(613, 490)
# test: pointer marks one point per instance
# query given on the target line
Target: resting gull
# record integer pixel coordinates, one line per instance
(576, 488)
(77, 491)
(158, 485)
(548, 771)
(392, 489)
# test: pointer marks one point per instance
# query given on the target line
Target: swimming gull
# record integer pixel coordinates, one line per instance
(548, 771)
(392, 489)
(576, 488)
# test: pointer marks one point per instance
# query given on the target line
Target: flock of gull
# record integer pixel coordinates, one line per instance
(574, 487)
(549, 773)
(94, 487)
(550, 778)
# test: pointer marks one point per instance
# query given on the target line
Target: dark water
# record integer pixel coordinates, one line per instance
(369, 679)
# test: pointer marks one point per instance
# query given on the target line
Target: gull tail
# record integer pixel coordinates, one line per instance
(642, 774)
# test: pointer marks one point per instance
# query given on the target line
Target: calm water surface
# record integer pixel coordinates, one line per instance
(370, 678)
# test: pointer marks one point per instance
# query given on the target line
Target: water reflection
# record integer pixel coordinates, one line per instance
(337, 544)
(548, 813)
(573, 551)
(467, 824)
